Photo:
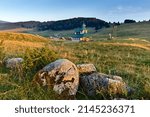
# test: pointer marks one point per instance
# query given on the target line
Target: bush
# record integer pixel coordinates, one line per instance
(36, 59)
(2, 52)
(129, 21)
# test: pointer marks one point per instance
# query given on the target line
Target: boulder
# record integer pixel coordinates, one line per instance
(86, 68)
(13, 62)
(94, 83)
(62, 76)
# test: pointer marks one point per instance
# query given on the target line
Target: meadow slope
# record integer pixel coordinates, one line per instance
(128, 58)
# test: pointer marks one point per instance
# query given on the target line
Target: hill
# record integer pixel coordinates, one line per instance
(28, 25)
(57, 25)
(1, 22)
(72, 24)
(140, 30)
(18, 42)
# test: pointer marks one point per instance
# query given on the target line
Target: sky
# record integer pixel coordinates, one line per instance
(52, 10)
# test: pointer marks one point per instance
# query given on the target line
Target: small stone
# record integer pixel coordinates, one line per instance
(13, 62)
(117, 78)
(86, 68)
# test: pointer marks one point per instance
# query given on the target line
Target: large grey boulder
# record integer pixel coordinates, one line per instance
(94, 83)
(13, 62)
(62, 76)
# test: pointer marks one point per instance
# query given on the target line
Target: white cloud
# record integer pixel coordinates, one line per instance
(125, 9)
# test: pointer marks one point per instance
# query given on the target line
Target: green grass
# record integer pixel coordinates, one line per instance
(129, 62)
(49, 33)
(124, 31)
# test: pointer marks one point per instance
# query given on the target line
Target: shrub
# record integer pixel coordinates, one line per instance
(36, 59)
(2, 52)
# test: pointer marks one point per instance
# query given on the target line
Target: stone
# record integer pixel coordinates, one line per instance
(62, 76)
(86, 68)
(116, 78)
(13, 62)
(116, 87)
(94, 83)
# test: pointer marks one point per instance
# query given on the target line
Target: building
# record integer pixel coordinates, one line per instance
(80, 33)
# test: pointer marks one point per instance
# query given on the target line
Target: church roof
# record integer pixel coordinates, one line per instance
(79, 29)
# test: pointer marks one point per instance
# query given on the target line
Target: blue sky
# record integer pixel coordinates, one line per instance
(47, 10)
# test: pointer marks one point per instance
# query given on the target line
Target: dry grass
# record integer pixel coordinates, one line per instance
(15, 43)
(21, 37)
(20, 46)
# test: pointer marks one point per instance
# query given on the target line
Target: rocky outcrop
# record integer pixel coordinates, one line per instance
(13, 62)
(62, 76)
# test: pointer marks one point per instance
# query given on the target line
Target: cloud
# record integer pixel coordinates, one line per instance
(125, 10)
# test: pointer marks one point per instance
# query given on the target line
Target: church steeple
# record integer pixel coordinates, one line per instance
(83, 26)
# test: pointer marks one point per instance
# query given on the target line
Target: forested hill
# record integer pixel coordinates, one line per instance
(72, 23)
(57, 25)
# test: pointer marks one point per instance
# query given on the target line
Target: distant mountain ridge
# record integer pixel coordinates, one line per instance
(1, 22)
(57, 25)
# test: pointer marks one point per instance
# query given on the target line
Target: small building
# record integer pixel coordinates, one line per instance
(80, 33)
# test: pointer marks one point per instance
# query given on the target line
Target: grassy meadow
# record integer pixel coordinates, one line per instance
(128, 56)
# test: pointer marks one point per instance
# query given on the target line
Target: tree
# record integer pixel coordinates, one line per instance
(129, 21)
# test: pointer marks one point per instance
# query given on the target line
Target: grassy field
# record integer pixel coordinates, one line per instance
(124, 31)
(127, 56)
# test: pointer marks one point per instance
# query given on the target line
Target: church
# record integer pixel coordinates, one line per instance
(80, 33)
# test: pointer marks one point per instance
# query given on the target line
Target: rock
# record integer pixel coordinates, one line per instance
(94, 83)
(116, 78)
(86, 68)
(13, 62)
(116, 87)
(62, 76)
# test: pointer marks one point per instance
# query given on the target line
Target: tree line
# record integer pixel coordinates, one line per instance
(72, 24)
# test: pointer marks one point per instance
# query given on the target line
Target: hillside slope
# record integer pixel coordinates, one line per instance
(140, 30)
(18, 42)
(1, 22)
